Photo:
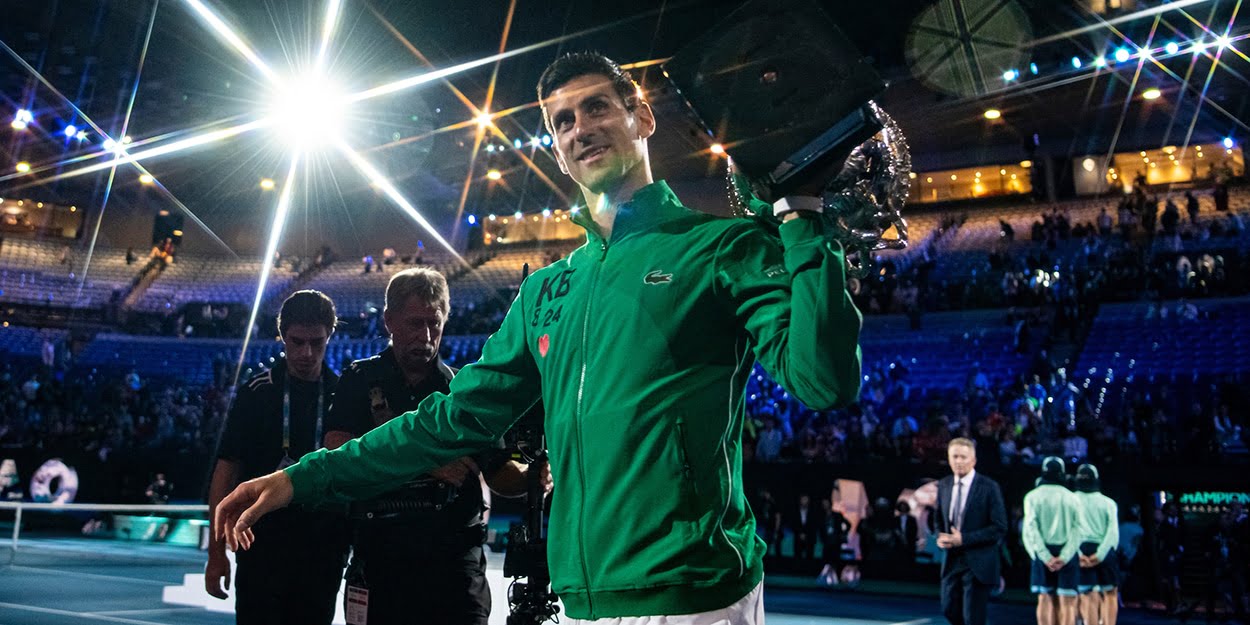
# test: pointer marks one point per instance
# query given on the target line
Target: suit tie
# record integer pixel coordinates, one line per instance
(957, 504)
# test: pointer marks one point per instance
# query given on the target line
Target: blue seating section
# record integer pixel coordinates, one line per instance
(1132, 339)
(26, 342)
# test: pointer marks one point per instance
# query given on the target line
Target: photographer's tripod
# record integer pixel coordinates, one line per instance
(530, 601)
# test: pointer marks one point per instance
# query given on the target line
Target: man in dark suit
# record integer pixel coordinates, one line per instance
(805, 522)
(971, 523)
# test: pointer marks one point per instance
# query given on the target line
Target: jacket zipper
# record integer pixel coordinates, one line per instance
(686, 471)
(577, 421)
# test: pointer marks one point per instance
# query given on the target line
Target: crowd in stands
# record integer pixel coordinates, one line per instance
(1014, 419)
(101, 413)
(1076, 260)
(1052, 285)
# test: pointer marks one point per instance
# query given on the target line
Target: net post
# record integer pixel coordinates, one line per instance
(17, 525)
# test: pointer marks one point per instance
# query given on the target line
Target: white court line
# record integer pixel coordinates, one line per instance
(120, 578)
(82, 615)
(146, 611)
(779, 618)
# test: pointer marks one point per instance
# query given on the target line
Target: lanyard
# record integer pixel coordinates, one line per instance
(286, 415)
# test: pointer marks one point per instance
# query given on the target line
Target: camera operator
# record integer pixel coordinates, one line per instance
(417, 550)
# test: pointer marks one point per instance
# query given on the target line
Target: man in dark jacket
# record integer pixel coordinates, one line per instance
(971, 523)
(805, 524)
(277, 417)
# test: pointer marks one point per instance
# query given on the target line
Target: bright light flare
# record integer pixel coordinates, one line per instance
(124, 157)
(379, 181)
(308, 111)
(266, 184)
(483, 120)
(275, 236)
(993, 113)
(23, 167)
(225, 32)
(717, 149)
(21, 119)
(146, 179)
(1151, 94)
(494, 174)
(327, 30)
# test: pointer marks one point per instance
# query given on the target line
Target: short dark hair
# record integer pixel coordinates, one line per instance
(576, 64)
(307, 307)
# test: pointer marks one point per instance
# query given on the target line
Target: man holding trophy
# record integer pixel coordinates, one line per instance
(639, 344)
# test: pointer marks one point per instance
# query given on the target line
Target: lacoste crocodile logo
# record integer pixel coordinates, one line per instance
(657, 277)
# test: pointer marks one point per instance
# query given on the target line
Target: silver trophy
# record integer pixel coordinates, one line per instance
(792, 102)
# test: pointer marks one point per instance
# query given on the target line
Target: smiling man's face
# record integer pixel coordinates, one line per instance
(600, 142)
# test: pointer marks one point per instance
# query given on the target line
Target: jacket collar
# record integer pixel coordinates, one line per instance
(392, 366)
(651, 205)
(281, 371)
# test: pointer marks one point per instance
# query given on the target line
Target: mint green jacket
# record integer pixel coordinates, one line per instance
(1051, 517)
(1100, 522)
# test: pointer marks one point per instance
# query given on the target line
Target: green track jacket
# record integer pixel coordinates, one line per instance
(639, 347)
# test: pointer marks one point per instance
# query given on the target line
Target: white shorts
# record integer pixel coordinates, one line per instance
(748, 610)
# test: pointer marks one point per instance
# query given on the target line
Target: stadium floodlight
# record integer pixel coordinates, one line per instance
(21, 119)
(308, 111)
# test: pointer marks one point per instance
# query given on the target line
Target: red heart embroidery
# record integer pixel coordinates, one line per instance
(544, 342)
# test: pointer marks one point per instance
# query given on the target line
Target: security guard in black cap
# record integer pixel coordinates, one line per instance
(417, 551)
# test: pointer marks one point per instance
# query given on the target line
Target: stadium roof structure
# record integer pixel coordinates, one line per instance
(1066, 77)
